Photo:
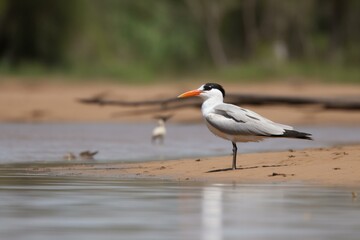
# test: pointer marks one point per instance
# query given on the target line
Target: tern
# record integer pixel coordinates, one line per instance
(237, 124)
(159, 131)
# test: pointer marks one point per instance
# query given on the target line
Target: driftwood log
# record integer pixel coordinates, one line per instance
(231, 98)
(159, 105)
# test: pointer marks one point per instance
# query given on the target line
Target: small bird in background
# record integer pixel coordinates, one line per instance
(159, 131)
(87, 155)
(237, 124)
(69, 156)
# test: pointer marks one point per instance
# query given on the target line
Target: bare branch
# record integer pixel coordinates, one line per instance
(159, 105)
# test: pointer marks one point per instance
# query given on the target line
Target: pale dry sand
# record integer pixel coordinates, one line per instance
(56, 102)
(335, 166)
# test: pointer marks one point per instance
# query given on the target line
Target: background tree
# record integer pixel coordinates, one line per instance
(134, 37)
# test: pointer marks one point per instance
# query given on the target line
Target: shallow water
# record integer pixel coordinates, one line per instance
(131, 142)
(82, 208)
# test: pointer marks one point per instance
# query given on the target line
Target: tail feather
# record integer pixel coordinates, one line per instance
(295, 134)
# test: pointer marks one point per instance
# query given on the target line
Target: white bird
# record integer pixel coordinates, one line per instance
(237, 124)
(69, 156)
(159, 132)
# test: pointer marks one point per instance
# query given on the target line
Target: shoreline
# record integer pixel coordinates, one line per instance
(57, 103)
(332, 166)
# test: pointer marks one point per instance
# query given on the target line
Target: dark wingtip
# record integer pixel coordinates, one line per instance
(295, 134)
(308, 137)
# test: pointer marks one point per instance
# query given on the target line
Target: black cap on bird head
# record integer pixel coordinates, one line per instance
(209, 86)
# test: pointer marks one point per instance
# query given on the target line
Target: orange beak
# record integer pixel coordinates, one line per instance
(190, 94)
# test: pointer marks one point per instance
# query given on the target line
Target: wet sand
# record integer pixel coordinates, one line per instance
(56, 102)
(335, 166)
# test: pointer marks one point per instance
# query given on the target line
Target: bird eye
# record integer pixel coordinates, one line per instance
(207, 87)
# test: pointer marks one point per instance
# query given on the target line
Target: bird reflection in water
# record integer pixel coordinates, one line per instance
(212, 213)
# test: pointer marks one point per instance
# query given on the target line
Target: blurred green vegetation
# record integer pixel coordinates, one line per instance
(141, 40)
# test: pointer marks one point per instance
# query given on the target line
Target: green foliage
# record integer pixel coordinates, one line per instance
(299, 70)
(158, 34)
(142, 40)
(30, 31)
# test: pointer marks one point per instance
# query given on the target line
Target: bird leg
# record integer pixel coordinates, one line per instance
(234, 155)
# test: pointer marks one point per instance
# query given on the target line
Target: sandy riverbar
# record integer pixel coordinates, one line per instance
(339, 166)
(56, 102)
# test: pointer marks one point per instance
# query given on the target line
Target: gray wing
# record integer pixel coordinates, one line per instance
(234, 120)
